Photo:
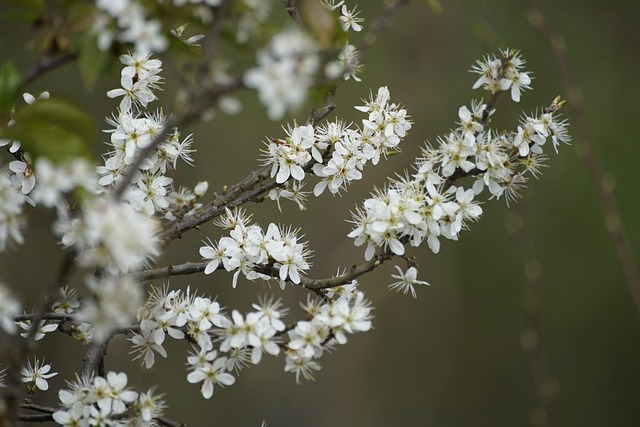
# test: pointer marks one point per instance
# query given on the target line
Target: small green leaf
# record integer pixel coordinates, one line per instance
(92, 62)
(54, 128)
(10, 83)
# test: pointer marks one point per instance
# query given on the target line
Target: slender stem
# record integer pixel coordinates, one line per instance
(354, 273)
(170, 270)
(587, 152)
(292, 9)
(47, 63)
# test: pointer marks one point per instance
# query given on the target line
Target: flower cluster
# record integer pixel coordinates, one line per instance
(111, 235)
(114, 306)
(18, 184)
(224, 344)
(250, 250)
(126, 21)
(387, 124)
(329, 324)
(285, 71)
(338, 153)
(133, 130)
(502, 74)
(106, 401)
(428, 205)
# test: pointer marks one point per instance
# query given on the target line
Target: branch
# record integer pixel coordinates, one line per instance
(60, 317)
(355, 272)
(293, 11)
(613, 221)
(170, 270)
(47, 63)
(170, 423)
(39, 418)
(93, 361)
(192, 114)
(233, 196)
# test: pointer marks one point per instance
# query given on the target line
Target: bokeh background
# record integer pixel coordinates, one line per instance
(456, 356)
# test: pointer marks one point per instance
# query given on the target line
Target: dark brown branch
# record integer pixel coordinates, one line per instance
(355, 272)
(292, 9)
(39, 418)
(169, 422)
(93, 361)
(245, 190)
(47, 63)
(587, 152)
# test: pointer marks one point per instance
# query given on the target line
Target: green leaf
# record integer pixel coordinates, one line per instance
(92, 62)
(10, 83)
(54, 128)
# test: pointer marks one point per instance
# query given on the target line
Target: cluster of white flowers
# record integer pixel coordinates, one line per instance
(502, 74)
(126, 21)
(329, 324)
(134, 129)
(285, 72)
(226, 344)
(338, 152)
(114, 306)
(253, 252)
(387, 124)
(201, 320)
(428, 205)
(106, 401)
(17, 183)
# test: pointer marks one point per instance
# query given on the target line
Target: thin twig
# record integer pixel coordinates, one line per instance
(292, 9)
(60, 317)
(245, 190)
(170, 270)
(47, 63)
(587, 152)
(169, 422)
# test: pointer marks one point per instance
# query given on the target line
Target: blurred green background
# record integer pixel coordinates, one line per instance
(455, 356)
